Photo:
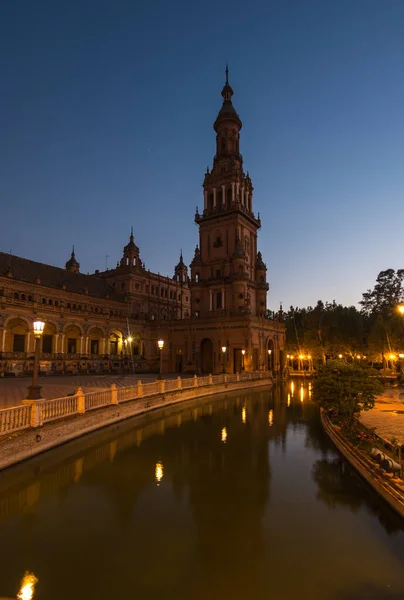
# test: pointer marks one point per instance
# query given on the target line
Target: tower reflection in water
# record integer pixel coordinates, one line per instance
(210, 493)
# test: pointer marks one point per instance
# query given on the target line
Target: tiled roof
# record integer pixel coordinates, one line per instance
(23, 269)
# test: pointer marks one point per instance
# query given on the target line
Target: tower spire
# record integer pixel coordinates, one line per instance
(227, 73)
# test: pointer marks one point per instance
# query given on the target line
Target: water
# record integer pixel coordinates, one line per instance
(236, 497)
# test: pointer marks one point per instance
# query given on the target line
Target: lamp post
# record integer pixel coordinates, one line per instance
(224, 348)
(243, 355)
(34, 390)
(160, 344)
(269, 359)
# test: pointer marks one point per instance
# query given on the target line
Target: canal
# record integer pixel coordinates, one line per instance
(233, 497)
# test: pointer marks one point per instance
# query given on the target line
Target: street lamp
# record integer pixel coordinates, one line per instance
(34, 390)
(269, 359)
(160, 344)
(224, 348)
(243, 355)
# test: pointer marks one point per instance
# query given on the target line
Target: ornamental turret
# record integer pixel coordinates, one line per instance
(130, 256)
(181, 271)
(72, 265)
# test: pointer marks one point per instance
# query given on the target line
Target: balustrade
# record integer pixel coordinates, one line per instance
(35, 413)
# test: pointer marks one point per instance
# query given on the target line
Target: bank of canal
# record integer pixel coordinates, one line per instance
(235, 496)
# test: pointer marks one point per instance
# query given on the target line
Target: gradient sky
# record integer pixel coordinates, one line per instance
(106, 114)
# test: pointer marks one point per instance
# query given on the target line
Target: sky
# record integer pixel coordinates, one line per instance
(106, 121)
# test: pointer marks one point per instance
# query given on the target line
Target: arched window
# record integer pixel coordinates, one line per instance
(50, 302)
(56, 303)
(16, 296)
(22, 296)
(43, 300)
(30, 299)
(197, 277)
(69, 305)
(74, 307)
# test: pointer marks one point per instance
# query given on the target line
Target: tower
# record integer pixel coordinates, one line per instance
(72, 264)
(228, 276)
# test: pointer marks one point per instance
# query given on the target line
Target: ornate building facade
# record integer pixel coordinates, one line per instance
(214, 320)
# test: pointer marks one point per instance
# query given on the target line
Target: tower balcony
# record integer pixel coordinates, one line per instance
(230, 208)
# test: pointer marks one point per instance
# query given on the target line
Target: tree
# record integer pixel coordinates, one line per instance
(386, 295)
(346, 388)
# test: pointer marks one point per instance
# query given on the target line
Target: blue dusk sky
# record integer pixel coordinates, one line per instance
(106, 121)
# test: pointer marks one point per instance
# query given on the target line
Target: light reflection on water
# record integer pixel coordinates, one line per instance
(202, 502)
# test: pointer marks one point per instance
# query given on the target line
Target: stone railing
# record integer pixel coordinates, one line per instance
(35, 413)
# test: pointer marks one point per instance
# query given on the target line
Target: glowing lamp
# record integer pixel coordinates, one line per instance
(224, 348)
(160, 344)
(38, 328)
(243, 352)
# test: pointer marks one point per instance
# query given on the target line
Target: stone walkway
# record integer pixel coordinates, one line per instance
(387, 415)
(13, 391)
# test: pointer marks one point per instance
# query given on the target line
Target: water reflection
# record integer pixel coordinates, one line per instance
(225, 506)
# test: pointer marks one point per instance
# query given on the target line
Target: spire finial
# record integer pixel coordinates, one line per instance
(131, 231)
(227, 73)
(73, 250)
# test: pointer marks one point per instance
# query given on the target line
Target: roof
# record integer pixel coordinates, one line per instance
(29, 271)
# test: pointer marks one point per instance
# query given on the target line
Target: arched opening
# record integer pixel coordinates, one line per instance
(16, 336)
(95, 340)
(72, 339)
(115, 343)
(206, 356)
(47, 342)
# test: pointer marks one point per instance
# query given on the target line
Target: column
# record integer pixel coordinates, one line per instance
(242, 195)
(102, 346)
(28, 342)
(205, 199)
(223, 297)
(238, 191)
(62, 348)
(247, 200)
(223, 194)
(81, 345)
(3, 340)
(55, 346)
(210, 300)
(86, 344)
(233, 198)
(214, 197)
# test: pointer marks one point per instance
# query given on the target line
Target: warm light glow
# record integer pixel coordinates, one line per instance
(309, 356)
(160, 344)
(271, 417)
(292, 387)
(401, 356)
(339, 355)
(401, 309)
(243, 352)
(269, 351)
(38, 328)
(159, 472)
(224, 435)
(130, 339)
(27, 587)
(392, 357)
(301, 356)
(288, 399)
(244, 415)
(358, 356)
(224, 348)
(301, 394)
(288, 356)
(292, 357)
